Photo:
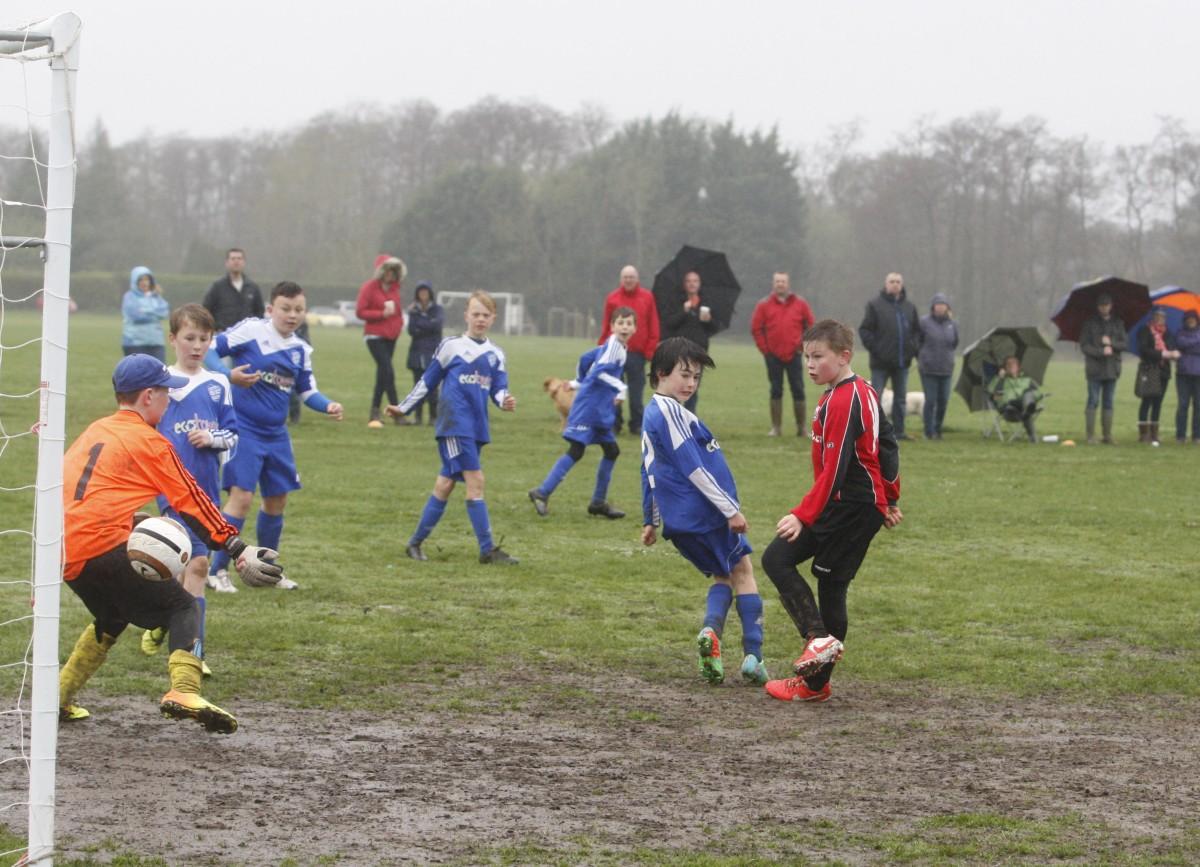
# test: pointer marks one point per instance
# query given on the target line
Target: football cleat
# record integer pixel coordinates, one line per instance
(795, 689)
(286, 583)
(540, 502)
(818, 653)
(754, 670)
(72, 713)
(189, 705)
(414, 552)
(498, 556)
(606, 510)
(152, 640)
(712, 668)
(220, 582)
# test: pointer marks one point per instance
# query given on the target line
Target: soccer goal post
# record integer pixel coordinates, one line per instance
(53, 42)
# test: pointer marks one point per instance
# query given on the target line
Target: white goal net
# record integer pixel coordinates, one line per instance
(37, 189)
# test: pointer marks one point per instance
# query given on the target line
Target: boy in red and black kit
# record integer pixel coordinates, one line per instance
(856, 465)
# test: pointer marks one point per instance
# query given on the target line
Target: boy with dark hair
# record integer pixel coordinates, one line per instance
(856, 464)
(273, 362)
(599, 390)
(201, 426)
(688, 488)
(112, 469)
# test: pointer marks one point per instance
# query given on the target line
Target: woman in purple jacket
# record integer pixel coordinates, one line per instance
(1187, 381)
(935, 361)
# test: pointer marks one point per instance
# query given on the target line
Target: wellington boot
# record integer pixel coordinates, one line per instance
(1106, 423)
(1152, 438)
(1143, 431)
(89, 654)
(776, 418)
(1090, 416)
(803, 424)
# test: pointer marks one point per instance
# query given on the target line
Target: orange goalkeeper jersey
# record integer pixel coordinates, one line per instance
(115, 467)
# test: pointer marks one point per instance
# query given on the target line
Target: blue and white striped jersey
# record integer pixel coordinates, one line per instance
(598, 381)
(470, 372)
(205, 403)
(285, 364)
(685, 481)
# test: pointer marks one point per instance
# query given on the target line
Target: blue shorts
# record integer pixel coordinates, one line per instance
(459, 455)
(199, 549)
(588, 434)
(715, 552)
(266, 463)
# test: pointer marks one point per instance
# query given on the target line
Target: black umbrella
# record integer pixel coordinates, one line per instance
(984, 358)
(719, 289)
(1131, 301)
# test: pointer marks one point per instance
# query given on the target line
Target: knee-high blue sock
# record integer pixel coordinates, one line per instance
(220, 559)
(431, 514)
(603, 477)
(478, 513)
(269, 530)
(719, 598)
(750, 611)
(198, 649)
(557, 473)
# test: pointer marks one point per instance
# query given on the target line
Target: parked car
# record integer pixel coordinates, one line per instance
(326, 317)
(347, 310)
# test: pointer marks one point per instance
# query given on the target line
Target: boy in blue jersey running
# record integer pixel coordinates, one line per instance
(599, 390)
(272, 362)
(471, 372)
(688, 488)
(201, 425)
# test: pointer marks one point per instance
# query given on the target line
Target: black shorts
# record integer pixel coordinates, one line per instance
(118, 596)
(839, 540)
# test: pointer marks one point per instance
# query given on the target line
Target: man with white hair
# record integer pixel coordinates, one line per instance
(641, 345)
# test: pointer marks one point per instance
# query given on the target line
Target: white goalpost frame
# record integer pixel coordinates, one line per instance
(61, 35)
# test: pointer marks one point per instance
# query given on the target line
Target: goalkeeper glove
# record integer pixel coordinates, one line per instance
(257, 566)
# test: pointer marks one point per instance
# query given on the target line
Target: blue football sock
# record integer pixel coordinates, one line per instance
(750, 611)
(719, 598)
(603, 477)
(198, 649)
(269, 530)
(220, 559)
(557, 473)
(429, 518)
(478, 513)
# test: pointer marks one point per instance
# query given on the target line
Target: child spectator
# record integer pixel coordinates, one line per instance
(599, 390)
(142, 311)
(856, 464)
(425, 320)
(688, 488)
(274, 362)
(471, 371)
(1187, 382)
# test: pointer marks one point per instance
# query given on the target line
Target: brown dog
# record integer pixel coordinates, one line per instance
(562, 395)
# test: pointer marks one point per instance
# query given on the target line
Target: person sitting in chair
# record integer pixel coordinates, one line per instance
(1016, 395)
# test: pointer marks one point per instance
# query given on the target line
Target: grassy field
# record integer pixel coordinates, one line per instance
(1020, 570)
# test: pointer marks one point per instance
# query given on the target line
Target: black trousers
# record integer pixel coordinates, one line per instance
(117, 596)
(385, 375)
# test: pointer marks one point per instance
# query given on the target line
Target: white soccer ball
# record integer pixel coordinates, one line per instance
(159, 548)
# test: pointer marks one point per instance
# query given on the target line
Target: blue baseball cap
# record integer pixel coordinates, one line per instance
(138, 371)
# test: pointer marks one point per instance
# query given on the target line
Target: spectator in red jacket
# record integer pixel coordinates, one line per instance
(642, 344)
(778, 326)
(380, 309)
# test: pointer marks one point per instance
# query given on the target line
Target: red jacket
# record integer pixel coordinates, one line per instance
(645, 339)
(778, 326)
(369, 308)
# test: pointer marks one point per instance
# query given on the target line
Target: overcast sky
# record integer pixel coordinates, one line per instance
(1100, 68)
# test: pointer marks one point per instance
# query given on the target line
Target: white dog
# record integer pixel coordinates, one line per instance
(914, 402)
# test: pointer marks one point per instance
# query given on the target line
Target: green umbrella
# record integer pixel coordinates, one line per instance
(984, 358)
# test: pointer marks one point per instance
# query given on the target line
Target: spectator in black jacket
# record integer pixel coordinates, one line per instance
(891, 332)
(235, 296)
(689, 318)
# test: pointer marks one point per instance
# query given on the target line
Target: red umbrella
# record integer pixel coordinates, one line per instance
(1131, 301)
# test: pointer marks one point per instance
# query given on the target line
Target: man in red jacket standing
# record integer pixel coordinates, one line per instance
(641, 345)
(778, 326)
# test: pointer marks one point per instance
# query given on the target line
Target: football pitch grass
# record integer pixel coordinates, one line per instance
(1021, 572)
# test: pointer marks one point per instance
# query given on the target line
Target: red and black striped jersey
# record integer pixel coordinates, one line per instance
(854, 452)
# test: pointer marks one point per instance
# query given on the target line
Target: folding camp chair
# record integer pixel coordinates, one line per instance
(1003, 422)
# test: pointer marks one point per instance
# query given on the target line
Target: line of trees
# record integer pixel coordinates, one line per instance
(1002, 215)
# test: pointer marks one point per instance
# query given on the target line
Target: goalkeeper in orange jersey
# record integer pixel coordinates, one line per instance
(115, 466)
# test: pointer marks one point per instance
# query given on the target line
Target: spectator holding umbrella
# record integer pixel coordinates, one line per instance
(1156, 349)
(383, 322)
(143, 310)
(1102, 340)
(778, 326)
(935, 362)
(891, 332)
(1187, 383)
(425, 320)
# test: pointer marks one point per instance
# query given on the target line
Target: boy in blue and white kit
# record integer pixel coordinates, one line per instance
(687, 486)
(599, 390)
(271, 362)
(202, 427)
(471, 371)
